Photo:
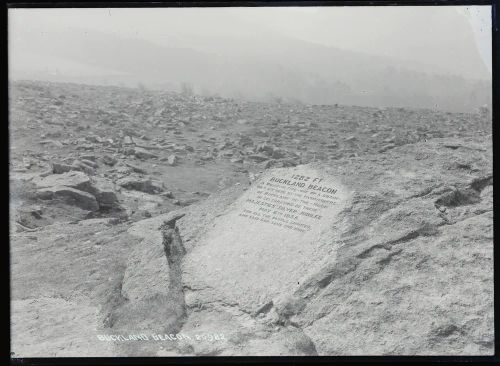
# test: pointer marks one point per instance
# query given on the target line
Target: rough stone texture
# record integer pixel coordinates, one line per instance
(70, 196)
(147, 272)
(439, 299)
(243, 336)
(408, 259)
(59, 168)
(143, 153)
(204, 212)
(84, 167)
(247, 250)
(54, 321)
(139, 184)
(104, 192)
(73, 179)
(143, 201)
(80, 187)
(172, 159)
(64, 279)
(406, 268)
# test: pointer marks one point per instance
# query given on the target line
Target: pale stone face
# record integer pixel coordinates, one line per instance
(285, 214)
(292, 201)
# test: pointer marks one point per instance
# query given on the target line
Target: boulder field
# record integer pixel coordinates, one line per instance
(397, 260)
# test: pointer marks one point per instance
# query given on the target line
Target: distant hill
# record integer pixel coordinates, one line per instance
(243, 66)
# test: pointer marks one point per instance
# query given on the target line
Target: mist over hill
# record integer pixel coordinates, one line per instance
(246, 59)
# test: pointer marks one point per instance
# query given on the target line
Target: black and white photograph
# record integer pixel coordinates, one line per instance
(250, 181)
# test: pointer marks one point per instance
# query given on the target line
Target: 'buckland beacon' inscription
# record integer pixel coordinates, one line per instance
(294, 203)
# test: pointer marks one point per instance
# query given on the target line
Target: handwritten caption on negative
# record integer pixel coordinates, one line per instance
(210, 337)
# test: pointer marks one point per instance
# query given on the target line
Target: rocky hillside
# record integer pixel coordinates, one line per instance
(120, 200)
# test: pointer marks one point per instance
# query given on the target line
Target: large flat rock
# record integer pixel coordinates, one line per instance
(431, 295)
(393, 255)
(73, 179)
(272, 221)
(70, 196)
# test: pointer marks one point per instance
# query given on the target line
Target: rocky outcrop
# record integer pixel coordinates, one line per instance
(404, 268)
(77, 188)
(70, 196)
(148, 270)
(105, 192)
(401, 264)
(398, 262)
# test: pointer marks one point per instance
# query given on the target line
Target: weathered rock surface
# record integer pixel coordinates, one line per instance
(142, 153)
(45, 327)
(401, 263)
(73, 179)
(59, 168)
(145, 185)
(65, 287)
(78, 189)
(71, 196)
(404, 266)
(148, 272)
(104, 192)
(247, 251)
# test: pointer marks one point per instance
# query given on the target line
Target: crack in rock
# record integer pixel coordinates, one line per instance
(311, 288)
(174, 252)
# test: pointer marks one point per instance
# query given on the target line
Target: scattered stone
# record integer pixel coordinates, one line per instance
(52, 142)
(56, 134)
(27, 163)
(278, 154)
(59, 168)
(167, 194)
(135, 202)
(268, 164)
(258, 158)
(395, 224)
(91, 157)
(80, 165)
(380, 217)
(244, 141)
(70, 196)
(104, 192)
(135, 168)
(236, 160)
(109, 160)
(208, 156)
(142, 153)
(92, 138)
(386, 147)
(89, 163)
(265, 148)
(74, 179)
(139, 184)
(172, 160)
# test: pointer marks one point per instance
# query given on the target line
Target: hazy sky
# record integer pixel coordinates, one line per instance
(399, 32)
